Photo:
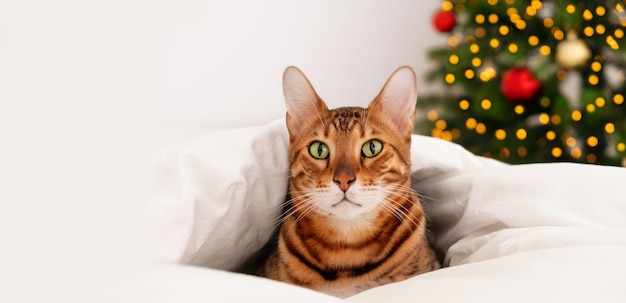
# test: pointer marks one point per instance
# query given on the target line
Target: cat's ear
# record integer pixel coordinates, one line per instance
(303, 104)
(397, 99)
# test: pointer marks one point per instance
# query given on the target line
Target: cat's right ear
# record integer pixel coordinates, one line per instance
(303, 104)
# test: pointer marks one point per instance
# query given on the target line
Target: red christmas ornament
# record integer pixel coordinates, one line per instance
(444, 21)
(519, 86)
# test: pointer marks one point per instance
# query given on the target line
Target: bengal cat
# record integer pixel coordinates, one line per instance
(353, 222)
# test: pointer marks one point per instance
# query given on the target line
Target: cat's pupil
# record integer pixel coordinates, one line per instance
(372, 147)
(320, 149)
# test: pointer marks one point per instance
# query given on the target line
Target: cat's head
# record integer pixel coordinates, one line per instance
(350, 162)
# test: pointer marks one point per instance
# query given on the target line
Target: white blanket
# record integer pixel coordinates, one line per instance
(541, 232)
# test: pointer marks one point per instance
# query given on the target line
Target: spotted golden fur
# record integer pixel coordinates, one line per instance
(353, 221)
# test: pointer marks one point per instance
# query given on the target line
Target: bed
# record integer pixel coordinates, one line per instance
(516, 233)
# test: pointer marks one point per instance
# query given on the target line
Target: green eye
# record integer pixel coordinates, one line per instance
(371, 148)
(318, 150)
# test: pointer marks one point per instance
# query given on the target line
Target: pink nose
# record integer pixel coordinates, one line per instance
(344, 177)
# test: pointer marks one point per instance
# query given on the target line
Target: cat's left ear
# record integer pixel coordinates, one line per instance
(397, 99)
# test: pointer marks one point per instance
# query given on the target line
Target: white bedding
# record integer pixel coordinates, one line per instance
(541, 232)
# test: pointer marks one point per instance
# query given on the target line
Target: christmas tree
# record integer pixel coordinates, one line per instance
(530, 81)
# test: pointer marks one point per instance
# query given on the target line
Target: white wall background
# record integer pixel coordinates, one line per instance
(87, 88)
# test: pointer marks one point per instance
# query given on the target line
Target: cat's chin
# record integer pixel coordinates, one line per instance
(347, 210)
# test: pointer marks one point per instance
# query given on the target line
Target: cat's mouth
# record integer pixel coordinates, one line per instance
(344, 200)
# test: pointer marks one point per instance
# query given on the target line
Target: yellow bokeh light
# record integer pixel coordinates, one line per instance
(556, 119)
(500, 134)
(522, 152)
(481, 128)
(618, 99)
(479, 18)
(596, 66)
(447, 5)
(504, 30)
(600, 11)
(590, 108)
(471, 123)
(464, 104)
(454, 59)
(485, 104)
(469, 74)
(570, 141)
(558, 34)
(545, 102)
(557, 152)
(592, 141)
(612, 42)
(493, 18)
(621, 147)
(536, 4)
(588, 31)
(533, 40)
(521, 134)
(544, 119)
(587, 15)
(441, 124)
(576, 152)
(515, 18)
(545, 50)
(494, 42)
(450, 78)
(550, 135)
(609, 128)
(521, 24)
(600, 29)
(474, 48)
(570, 9)
(531, 11)
(513, 48)
(432, 115)
(577, 115)
(476, 62)
(619, 33)
(492, 2)
(548, 22)
(519, 109)
(600, 102)
(593, 79)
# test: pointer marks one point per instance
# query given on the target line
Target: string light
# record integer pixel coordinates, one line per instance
(557, 152)
(576, 152)
(519, 109)
(544, 119)
(618, 99)
(592, 141)
(600, 102)
(432, 115)
(550, 135)
(479, 18)
(454, 59)
(485, 104)
(577, 115)
(464, 104)
(521, 134)
(500, 134)
(609, 128)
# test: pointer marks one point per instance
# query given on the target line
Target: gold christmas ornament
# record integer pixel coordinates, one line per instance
(573, 52)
